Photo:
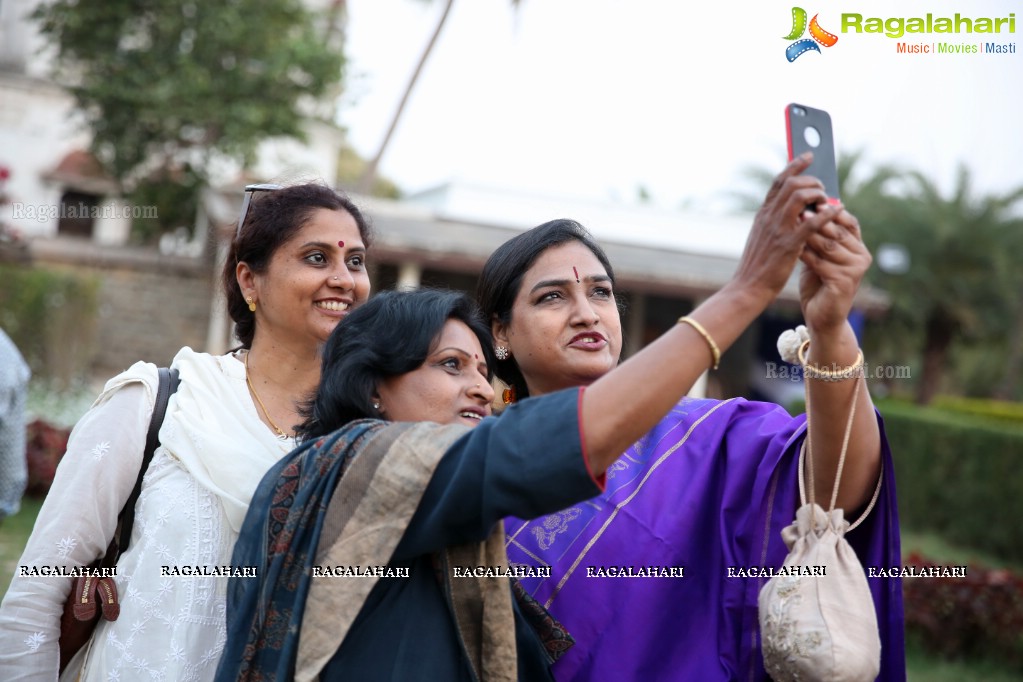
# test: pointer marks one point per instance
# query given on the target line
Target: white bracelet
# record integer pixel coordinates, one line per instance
(853, 371)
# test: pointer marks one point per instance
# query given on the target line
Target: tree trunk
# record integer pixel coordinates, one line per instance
(369, 176)
(336, 24)
(939, 331)
(1007, 388)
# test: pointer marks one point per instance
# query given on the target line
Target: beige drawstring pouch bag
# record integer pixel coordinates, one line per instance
(817, 622)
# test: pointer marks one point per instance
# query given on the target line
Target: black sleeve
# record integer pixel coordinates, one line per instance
(525, 463)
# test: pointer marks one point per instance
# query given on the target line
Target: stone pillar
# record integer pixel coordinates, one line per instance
(699, 389)
(637, 323)
(219, 336)
(112, 226)
(410, 276)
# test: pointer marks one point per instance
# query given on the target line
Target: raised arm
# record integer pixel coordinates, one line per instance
(627, 402)
(835, 261)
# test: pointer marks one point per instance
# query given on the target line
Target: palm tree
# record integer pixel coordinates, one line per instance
(368, 178)
(961, 272)
(1009, 385)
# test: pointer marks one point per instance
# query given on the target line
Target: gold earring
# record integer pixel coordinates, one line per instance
(252, 304)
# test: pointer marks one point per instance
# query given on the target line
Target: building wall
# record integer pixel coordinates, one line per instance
(36, 131)
(147, 314)
(149, 305)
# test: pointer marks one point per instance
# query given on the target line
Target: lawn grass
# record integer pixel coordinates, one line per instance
(924, 667)
(14, 532)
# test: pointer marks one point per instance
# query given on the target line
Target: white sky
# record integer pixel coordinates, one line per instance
(592, 98)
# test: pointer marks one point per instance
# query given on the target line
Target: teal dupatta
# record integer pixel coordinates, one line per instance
(347, 499)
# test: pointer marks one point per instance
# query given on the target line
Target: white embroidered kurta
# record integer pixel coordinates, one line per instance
(14, 376)
(214, 450)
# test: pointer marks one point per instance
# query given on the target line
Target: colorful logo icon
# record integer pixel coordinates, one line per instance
(817, 35)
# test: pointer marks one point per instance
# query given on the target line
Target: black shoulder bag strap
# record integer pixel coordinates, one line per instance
(93, 597)
(169, 381)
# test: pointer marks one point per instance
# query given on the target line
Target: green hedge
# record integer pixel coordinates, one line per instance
(1002, 411)
(51, 316)
(959, 476)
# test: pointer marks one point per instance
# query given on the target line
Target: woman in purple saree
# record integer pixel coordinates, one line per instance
(658, 577)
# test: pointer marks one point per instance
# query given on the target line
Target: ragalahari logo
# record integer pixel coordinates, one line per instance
(818, 35)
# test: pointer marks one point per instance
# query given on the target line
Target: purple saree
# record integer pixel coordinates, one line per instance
(708, 490)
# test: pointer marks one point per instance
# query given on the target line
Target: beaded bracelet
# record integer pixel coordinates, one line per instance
(714, 350)
(853, 371)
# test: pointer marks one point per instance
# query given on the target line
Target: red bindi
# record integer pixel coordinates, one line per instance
(341, 244)
(576, 273)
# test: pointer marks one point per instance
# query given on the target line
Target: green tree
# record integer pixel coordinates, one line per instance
(961, 275)
(950, 310)
(164, 86)
(350, 169)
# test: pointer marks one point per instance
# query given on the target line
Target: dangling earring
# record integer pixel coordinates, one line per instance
(502, 353)
(252, 304)
(508, 396)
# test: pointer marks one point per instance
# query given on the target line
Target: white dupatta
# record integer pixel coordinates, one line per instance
(212, 427)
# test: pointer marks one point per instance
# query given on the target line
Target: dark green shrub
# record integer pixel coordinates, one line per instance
(51, 316)
(959, 476)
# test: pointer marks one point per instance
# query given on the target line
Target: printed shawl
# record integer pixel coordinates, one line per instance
(347, 499)
(708, 491)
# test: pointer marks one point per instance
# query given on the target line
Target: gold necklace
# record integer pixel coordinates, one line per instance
(255, 395)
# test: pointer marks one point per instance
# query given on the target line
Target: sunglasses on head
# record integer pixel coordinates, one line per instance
(249, 191)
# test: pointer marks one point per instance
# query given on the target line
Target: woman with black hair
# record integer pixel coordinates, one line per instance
(367, 538)
(296, 267)
(331, 525)
(709, 487)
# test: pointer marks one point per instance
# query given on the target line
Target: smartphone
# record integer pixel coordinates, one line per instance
(809, 129)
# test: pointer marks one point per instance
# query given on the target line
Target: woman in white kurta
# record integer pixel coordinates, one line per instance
(296, 266)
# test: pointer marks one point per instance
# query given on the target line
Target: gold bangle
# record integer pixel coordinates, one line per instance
(853, 371)
(714, 350)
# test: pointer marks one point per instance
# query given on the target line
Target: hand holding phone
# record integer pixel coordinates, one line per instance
(809, 129)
